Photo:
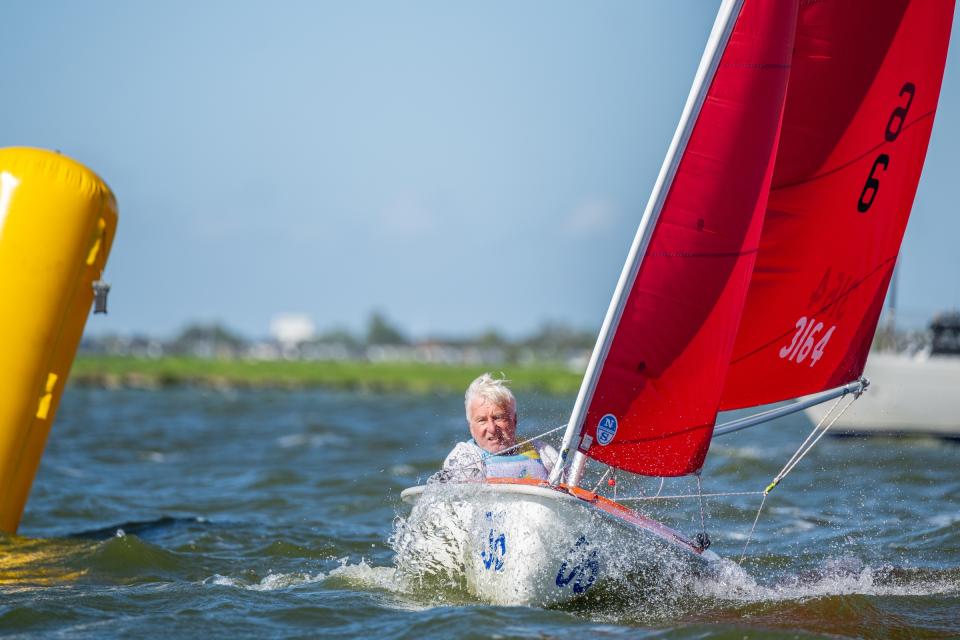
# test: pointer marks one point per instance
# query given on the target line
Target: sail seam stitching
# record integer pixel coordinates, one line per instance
(703, 254)
(756, 65)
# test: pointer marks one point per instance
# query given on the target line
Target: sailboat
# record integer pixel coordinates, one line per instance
(911, 393)
(757, 275)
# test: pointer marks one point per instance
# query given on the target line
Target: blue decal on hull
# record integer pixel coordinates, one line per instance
(492, 556)
(586, 567)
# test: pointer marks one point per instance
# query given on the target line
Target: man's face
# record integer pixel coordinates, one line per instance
(492, 426)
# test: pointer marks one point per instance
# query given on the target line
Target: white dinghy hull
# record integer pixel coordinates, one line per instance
(526, 543)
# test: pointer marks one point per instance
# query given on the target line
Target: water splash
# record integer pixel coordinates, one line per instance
(365, 575)
(639, 582)
(430, 544)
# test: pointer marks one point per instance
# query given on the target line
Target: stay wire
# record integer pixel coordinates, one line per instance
(743, 553)
(602, 478)
(703, 526)
(812, 439)
(805, 447)
(703, 538)
(800, 450)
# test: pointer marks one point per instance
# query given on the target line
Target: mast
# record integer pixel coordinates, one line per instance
(719, 35)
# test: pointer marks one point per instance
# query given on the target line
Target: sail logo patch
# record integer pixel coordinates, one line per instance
(606, 429)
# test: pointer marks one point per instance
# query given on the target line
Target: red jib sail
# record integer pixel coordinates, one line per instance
(655, 398)
(863, 91)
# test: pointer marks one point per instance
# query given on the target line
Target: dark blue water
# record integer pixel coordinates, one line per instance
(190, 512)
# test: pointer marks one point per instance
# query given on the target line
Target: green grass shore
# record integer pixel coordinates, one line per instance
(416, 377)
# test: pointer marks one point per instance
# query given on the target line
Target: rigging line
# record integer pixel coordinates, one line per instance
(796, 453)
(795, 460)
(822, 433)
(691, 495)
(660, 490)
(487, 454)
(655, 497)
(743, 554)
(602, 478)
(703, 526)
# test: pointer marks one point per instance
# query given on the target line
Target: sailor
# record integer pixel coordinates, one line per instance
(493, 452)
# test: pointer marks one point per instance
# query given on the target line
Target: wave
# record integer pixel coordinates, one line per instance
(360, 575)
(270, 582)
(138, 527)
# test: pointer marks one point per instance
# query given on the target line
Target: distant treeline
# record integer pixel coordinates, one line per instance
(415, 377)
(381, 341)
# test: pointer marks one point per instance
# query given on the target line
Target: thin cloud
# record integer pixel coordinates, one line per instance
(591, 217)
(408, 215)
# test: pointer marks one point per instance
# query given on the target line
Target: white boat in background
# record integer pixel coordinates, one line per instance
(756, 276)
(910, 394)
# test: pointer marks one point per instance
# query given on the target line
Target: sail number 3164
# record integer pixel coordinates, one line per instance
(808, 341)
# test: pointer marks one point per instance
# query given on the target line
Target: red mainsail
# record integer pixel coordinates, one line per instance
(760, 269)
(863, 91)
(663, 373)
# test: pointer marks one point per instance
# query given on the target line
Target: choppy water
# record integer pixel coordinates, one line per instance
(267, 514)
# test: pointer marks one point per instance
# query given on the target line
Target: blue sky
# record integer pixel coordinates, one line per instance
(459, 166)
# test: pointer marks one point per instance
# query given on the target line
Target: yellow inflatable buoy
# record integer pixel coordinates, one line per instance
(57, 221)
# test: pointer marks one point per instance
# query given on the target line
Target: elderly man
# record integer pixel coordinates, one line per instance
(492, 453)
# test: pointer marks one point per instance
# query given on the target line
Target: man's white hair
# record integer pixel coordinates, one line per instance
(494, 390)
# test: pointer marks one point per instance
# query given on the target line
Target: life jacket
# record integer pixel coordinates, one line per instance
(524, 464)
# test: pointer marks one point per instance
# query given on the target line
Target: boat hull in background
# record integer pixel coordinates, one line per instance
(525, 543)
(908, 395)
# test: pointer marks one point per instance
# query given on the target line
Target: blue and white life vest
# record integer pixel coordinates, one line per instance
(525, 464)
(469, 463)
